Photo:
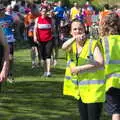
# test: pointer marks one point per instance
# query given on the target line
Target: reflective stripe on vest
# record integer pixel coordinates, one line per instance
(107, 52)
(113, 75)
(68, 63)
(85, 82)
(91, 82)
(68, 77)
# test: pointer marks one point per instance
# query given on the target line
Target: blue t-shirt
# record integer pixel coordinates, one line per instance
(80, 18)
(6, 23)
(60, 11)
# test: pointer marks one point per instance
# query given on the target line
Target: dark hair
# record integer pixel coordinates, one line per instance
(43, 8)
(76, 20)
(106, 6)
(16, 8)
(22, 3)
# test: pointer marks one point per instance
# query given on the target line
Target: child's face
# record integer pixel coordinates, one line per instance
(43, 11)
(77, 28)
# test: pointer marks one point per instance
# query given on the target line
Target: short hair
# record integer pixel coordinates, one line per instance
(43, 8)
(76, 20)
(106, 6)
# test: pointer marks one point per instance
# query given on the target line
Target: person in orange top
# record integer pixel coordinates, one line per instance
(103, 13)
(88, 18)
(29, 27)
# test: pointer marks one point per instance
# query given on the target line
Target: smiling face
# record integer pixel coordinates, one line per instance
(77, 28)
(44, 12)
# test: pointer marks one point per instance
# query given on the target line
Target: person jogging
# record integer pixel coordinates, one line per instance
(43, 35)
(4, 57)
(29, 26)
(6, 22)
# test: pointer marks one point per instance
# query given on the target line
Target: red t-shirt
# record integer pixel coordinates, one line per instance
(44, 29)
(88, 17)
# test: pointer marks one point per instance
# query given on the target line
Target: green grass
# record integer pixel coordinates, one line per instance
(33, 97)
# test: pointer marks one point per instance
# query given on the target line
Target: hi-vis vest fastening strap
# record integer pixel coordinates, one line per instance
(113, 75)
(107, 52)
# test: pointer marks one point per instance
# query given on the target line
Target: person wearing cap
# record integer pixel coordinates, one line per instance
(6, 22)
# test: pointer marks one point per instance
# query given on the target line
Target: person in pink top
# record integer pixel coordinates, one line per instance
(44, 37)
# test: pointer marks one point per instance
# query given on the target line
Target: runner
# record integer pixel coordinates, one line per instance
(43, 35)
(6, 21)
(4, 57)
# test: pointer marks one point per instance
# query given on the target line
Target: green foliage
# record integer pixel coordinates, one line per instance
(97, 3)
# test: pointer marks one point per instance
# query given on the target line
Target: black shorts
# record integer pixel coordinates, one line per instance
(31, 42)
(11, 48)
(55, 42)
(112, 104)
(46, 49)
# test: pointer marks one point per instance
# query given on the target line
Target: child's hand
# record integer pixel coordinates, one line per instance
(80, 37)
(74, 70)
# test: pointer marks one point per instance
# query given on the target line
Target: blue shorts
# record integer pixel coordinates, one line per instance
(112, 104)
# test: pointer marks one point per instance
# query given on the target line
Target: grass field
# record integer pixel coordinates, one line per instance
(33, 97)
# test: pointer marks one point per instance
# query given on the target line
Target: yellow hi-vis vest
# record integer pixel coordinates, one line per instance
(69, 87)
(111, 47)
(88, 85)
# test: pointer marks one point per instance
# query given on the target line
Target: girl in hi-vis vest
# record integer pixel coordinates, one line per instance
(110, 35)
(84, 77)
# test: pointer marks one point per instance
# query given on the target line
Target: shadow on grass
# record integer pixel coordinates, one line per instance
(24, 69)
(36, 100)
(33, 97)
(22, 44)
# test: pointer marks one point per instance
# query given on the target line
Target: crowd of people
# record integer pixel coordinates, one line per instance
(91, 39)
